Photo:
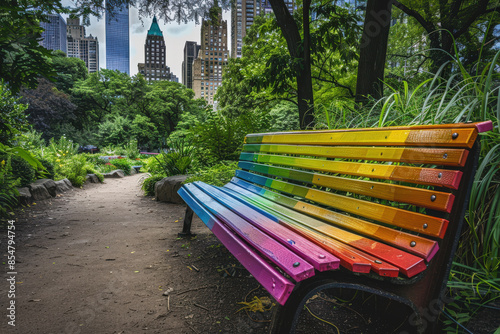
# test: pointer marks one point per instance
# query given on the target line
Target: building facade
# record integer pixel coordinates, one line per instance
(154, 67)
(118, 39)
(191, 50)
(80, 46)
(266, 6)
(243, 13)
(211, 59)
(54, 34)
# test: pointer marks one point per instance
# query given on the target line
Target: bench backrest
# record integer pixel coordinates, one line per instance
(379, 199)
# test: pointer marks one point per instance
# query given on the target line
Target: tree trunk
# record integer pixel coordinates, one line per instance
(300, 51)
(373, 50)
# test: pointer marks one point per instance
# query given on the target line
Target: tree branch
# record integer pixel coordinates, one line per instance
(428, 26)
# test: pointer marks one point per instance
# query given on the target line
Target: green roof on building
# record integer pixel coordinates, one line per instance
(155, 29)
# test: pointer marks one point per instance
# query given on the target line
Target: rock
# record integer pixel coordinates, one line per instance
(133, 171)
(116, 174)
(25, 197)
(39, 192)
(166, 189)
(49, 184)
(68, 182)
(61, 186)
(92, 178)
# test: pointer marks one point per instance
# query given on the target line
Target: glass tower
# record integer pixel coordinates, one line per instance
(54, 34)
(117, 40)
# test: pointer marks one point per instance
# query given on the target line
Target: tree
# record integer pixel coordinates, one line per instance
(69, 70)
(47, 107)
(22, 58)
(13, 120)
(446, 21)
(373, 49)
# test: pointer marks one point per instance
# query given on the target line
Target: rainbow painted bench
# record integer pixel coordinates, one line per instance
(377, 209)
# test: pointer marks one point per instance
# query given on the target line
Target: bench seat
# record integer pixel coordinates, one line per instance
(376, 202)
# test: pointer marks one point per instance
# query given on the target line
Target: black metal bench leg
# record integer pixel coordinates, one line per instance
(186, 228)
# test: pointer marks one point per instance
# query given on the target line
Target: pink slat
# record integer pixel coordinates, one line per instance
(272, 280)
(484, 126)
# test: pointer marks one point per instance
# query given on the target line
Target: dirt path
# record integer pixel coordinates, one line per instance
(99, 260)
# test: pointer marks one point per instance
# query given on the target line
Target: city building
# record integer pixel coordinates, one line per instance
(243, 13)
(118, 39)
(80, 46)
(154, 67)
(266, 6)
(54, 34)
(191, 50)
(211, 59)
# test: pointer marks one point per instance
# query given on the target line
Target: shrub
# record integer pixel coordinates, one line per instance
(178, 159)
(49, 168)
(123, 164)
(217, 175)
(74, 169)
(148, 185)
(8, 191)
(21, 170)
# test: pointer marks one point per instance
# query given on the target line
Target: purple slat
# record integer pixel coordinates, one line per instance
(317, 256)
(292, 264)
(273, 281)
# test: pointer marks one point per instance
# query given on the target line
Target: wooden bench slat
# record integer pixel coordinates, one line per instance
(423, 247)
(479, 126)
(270, 248)
(417, 175)
(303, 247)
(386, 260)
(444, 156)
(416, 196)
(270, 278)
(407, 137)
(321, 231)
(408, 220)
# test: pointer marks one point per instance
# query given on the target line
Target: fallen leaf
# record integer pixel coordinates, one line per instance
(136, 271)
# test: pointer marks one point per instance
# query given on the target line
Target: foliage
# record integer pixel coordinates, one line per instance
(49, 168)
(148, 185)
(61, 148)
(75, 168)
(20, 169)
(8, 191)
(47, 107)
(217, 175)
(179, 158)
(13, 119)
(69, 70)
(115, 131)
(129, 150)
(22, 59)
(123, 164)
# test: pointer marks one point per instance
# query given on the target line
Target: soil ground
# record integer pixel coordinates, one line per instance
(106, 259)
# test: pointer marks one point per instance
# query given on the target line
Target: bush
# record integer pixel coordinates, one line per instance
(178, 160)
(74, 169)
(123, 164)
(217, 175)
(49, 168)
(148, 185)
(8, 191)
(21, 170)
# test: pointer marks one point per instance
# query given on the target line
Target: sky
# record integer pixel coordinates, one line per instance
(175, 36)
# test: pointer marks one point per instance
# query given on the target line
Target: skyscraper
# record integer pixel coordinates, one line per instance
(243, 13)
(154, 66)
(190, 53)
(117, 39)
(54, 36)
(212, 57)
(80, 46)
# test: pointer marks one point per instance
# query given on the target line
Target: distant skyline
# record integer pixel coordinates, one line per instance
(175, 37)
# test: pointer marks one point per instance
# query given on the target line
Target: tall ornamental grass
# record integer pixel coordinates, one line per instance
(474, 281)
